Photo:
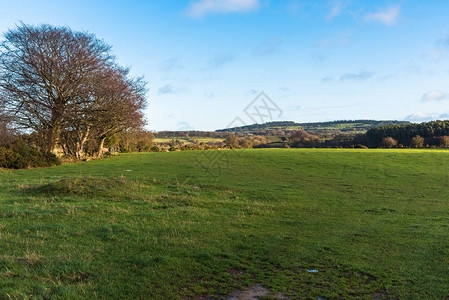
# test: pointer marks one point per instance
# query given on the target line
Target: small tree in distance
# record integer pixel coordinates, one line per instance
(417, 142)
(232, 141)
(389, 142)
(301, 138)
(444, 141)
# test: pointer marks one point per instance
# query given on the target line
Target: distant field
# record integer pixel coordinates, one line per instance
(188, 141)
(372, 223)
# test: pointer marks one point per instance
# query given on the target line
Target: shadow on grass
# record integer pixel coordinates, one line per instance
(103, 187)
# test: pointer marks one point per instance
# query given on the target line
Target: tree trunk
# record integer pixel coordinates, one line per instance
(100, 147)
(50, 140)
(81, 143)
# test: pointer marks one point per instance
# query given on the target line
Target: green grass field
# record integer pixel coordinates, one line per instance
(373, 223)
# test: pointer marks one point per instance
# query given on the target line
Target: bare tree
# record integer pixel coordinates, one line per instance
(66, 87)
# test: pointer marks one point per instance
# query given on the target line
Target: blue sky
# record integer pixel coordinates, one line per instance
(206, 60)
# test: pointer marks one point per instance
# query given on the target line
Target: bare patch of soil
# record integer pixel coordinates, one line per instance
(254, 292)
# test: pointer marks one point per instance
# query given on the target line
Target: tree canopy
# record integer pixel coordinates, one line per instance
(66, 87)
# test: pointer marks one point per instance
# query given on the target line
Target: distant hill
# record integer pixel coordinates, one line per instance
(346, 126)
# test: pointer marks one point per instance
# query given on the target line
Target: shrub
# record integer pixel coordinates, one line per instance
(7, 157)
(124, 149)
(20, 156)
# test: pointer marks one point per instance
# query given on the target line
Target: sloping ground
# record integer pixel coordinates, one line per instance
(298, 223)
(347, 126)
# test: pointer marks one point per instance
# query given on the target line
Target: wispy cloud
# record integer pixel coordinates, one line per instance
(326, 79)
(267, 47)
(357, 76)
(169, 89)
(220, 60)
(201, 8)
(434, 96)
(387, 16)
(336, 9)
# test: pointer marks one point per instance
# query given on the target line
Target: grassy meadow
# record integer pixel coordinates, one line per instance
(201, 224)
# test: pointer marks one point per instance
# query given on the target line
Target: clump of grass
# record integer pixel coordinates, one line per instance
(81, 187)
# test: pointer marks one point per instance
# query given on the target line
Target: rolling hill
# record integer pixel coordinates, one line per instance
(346, 126)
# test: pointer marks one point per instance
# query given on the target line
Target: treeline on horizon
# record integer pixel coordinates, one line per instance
(405, 134)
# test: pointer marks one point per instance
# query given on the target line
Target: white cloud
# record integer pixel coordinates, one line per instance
(336, 9)
(200, 8)
(418, 117)
(386, 16)
(425, 117)
(435, 96)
